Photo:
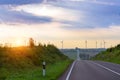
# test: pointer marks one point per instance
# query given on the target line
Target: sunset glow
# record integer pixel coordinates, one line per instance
(19, 42)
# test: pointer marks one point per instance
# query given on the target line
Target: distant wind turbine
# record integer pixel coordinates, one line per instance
(96, 44)
(62, 43)
(86, 44)
(101, 44)
(104, 43)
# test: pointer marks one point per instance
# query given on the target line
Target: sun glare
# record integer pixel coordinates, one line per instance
(19, 42)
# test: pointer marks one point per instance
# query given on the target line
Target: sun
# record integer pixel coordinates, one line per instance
(19, 42)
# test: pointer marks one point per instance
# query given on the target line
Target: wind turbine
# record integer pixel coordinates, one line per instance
(101, 44)
(62, 43)
(86, 44)
(104, 43)
(96, 44)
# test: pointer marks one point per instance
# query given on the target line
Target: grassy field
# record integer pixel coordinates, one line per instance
(53, 71)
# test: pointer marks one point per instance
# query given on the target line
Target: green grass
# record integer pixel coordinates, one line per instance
(25, 62)
(53, 71)
(110, 55)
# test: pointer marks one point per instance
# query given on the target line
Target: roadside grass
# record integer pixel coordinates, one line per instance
(53, 71)
(110, 55)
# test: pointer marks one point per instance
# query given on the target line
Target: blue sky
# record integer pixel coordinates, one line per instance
(60, 20)
(19, 2)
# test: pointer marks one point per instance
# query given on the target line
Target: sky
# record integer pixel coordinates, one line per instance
(53, 21)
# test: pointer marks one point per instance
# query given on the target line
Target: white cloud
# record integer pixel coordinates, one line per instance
(111, 33)
(77, 0)
(54, 32)
(57, 13)
(103, 2)
(40, 31)
(73, 0)
(93, 1)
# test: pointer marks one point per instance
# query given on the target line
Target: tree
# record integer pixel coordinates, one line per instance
(31, 42)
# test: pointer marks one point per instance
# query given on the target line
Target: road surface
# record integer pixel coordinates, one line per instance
(92, 70)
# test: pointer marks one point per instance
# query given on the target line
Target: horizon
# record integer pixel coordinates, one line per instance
(68, 44)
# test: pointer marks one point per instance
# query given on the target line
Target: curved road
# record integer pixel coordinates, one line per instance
(92, 70)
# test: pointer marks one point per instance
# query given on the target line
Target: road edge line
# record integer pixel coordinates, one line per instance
(68, 76)
(107, 69)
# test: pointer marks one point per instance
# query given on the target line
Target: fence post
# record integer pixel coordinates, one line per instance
(44, 68)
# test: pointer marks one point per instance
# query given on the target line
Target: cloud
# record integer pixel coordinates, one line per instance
(57, 13)
(53, 31)
(8, 16)
(96, 13)
(18, 2)
(76, 15)
(111, 33)
(100, 2)
(47, 31)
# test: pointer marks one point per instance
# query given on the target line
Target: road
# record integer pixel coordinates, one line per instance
(92, 70)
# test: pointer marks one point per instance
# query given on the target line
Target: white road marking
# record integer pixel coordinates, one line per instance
(68, 76)
(107, 69)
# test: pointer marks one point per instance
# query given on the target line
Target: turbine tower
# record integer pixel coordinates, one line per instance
(101, 44)
(62, 43)
(86, 44)
(96, 44)
(104, 43)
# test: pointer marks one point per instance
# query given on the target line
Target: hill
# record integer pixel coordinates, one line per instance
(26, 59)
(110, 55)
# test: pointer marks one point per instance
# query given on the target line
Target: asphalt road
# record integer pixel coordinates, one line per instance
(92, 70)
